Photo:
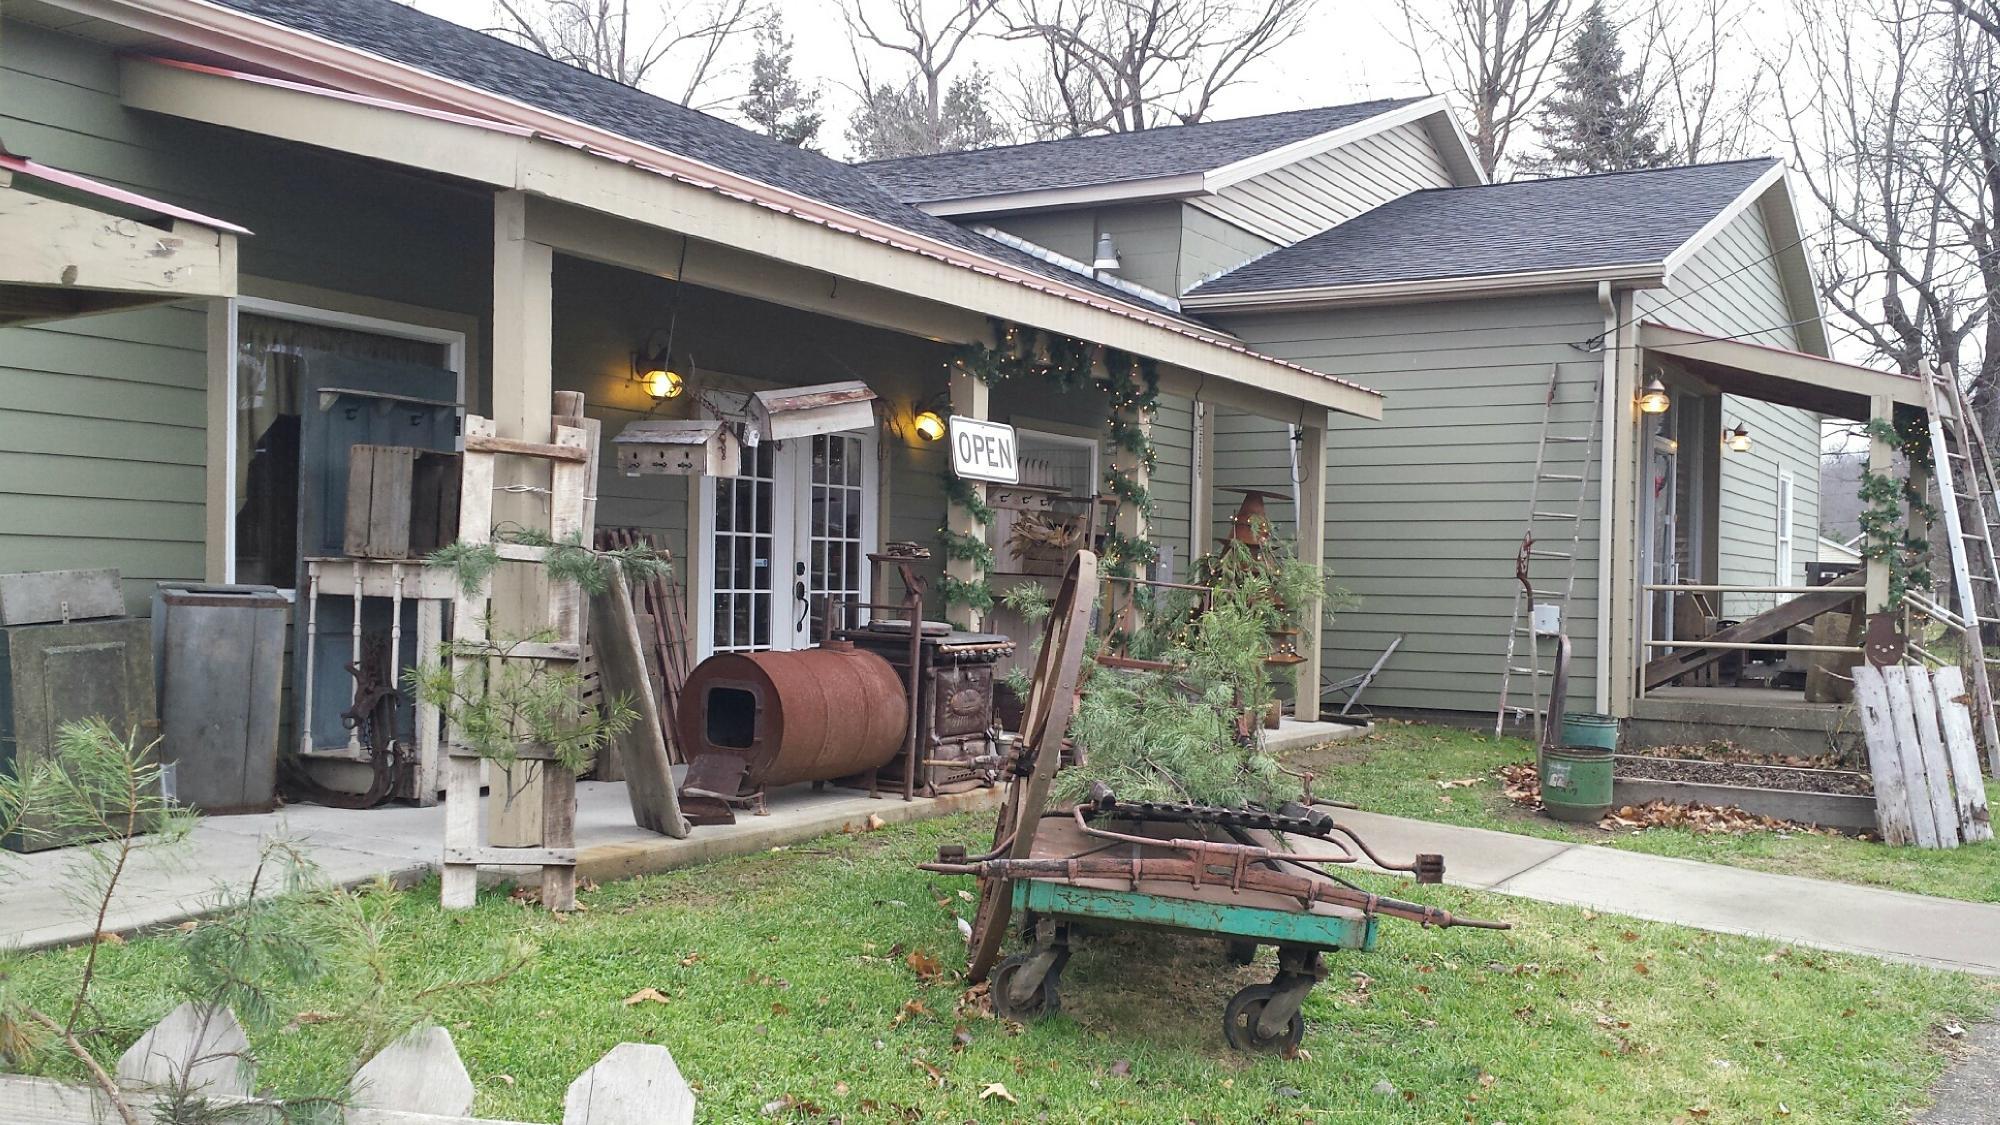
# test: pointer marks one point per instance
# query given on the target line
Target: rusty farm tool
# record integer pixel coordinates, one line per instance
(1211, 872)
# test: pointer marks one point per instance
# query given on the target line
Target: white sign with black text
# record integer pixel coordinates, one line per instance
(984, 451)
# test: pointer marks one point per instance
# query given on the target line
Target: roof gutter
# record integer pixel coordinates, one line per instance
(1636, 275)
(205, 24)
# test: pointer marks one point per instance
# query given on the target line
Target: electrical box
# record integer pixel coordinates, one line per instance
(1548, 619)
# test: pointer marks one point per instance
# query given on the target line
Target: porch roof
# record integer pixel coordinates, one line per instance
(70, 245)
(1781, 376)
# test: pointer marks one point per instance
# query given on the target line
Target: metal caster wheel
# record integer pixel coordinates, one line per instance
(1239, 1023)
(1240, 952)
(1045, 1000)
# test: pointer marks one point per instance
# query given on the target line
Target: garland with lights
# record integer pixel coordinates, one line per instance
(1885, 530)
(1131, 386)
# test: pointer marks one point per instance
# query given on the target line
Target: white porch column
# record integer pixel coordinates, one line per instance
(969, 399)
(1132, 521)
(1621, 650)
(1201, 481)
(522, 406)
(1311, 523)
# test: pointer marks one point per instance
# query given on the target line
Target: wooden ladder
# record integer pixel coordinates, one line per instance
(1967, 500)
(1554, 582)
(572, 464)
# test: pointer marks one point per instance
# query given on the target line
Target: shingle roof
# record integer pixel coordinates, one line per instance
(1620, 218)
(405, 35)
(1113, 158)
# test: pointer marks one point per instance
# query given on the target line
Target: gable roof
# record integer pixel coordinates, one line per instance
(1618, 221)
(1113, 158)
(402, 34)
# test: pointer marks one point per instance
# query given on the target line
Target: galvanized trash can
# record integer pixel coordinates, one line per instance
(219, 660)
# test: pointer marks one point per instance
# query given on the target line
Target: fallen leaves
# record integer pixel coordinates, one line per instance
(1520, 784)
(646, 995)
(996, 1090)
(924, 965)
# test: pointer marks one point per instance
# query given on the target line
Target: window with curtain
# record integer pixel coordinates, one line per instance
(268, 352)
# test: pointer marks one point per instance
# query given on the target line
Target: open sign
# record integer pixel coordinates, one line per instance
(982, 450)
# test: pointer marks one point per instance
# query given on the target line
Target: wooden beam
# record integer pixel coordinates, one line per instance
(1311, 523)
(69, 248)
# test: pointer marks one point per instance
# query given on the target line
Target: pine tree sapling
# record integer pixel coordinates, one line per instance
(1597, 120)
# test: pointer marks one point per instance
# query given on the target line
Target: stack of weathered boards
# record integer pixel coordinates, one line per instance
(1928, 787)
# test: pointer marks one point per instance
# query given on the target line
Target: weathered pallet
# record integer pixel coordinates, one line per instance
(1928, 787)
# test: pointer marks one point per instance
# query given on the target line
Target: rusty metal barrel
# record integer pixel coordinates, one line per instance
(812, 715)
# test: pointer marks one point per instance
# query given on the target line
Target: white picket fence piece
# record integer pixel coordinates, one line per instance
(1929, 790)
(418, 1080)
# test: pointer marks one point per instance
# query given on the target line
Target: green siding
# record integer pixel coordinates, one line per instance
(1732, 288)
(103, 418)
(1210, 245)
(1425, 509)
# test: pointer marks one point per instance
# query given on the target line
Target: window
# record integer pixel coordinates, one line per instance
(271, 340)
(1785, 519)
(1058, 461)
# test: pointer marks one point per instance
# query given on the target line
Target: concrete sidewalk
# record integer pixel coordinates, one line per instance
(164, 886)
(1938, 932)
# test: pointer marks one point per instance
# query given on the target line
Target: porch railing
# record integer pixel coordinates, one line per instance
(1651, 646)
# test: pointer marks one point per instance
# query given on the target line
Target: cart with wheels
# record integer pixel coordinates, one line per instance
(1209, 872)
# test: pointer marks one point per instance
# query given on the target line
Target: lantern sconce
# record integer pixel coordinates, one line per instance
(654, 370)
(1738, 439)
(1654, 400)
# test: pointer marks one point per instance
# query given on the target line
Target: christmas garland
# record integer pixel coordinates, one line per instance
(1886, 534)
(1131, 386)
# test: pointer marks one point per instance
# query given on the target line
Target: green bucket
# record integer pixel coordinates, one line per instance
(1590, 729)
(1576, 782)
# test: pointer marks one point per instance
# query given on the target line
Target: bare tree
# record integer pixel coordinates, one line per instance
(920, 112)
(609, 38)
(1891, 111)
(1118, 66)
(1495, 55)
(1984, 14)
(1698, 73)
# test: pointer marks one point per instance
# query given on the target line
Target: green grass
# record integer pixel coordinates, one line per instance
(786, 978)
(1397, 768)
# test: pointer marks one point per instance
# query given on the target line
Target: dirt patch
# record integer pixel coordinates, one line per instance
(1747, 775)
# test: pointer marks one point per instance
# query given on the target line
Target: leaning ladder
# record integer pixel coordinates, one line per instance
(1966, 491)
(1553, 582)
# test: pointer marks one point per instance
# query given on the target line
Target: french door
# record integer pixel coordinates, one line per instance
(779, 544)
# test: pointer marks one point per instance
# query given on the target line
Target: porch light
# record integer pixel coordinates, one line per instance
(1107, 254)
(1654, 399)
(1739, 439)
(929, 426)
(664, 382)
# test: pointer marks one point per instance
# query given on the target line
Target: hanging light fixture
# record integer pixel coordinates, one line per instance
(1654, 400)
(1738, 439)
(929, 425)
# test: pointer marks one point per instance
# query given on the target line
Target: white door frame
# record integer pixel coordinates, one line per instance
(791, 538)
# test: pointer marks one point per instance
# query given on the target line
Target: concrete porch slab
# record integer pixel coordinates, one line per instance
(166, 886)
(1295, 735)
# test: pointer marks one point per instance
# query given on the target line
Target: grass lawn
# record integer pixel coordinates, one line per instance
(788, 995)
(1397, 768)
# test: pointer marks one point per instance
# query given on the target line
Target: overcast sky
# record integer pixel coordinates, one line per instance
(1348, 52)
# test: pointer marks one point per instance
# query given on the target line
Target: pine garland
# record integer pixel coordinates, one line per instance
(1131, 386)
(1885, 532)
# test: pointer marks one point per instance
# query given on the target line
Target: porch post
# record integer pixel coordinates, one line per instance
(1881, 461)
(968, 400)
(1312, 551)
(1132, 521)
(522, 406)
(1201, 480)
(1622, 650)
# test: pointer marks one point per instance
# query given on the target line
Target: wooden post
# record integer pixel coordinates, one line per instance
(523, 386)
(1622, 651)
(1201, 479)
(1311, 523)
(1881, 461)
(969, 399)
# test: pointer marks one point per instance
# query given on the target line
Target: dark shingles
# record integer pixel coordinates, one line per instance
(1531, 225)
(1113, 158)
(428, 43)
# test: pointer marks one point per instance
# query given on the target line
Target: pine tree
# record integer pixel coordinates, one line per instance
(898, 121)
(777, 104)
(1596, 121)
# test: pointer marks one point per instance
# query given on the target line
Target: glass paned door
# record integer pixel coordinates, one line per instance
(785, 540)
